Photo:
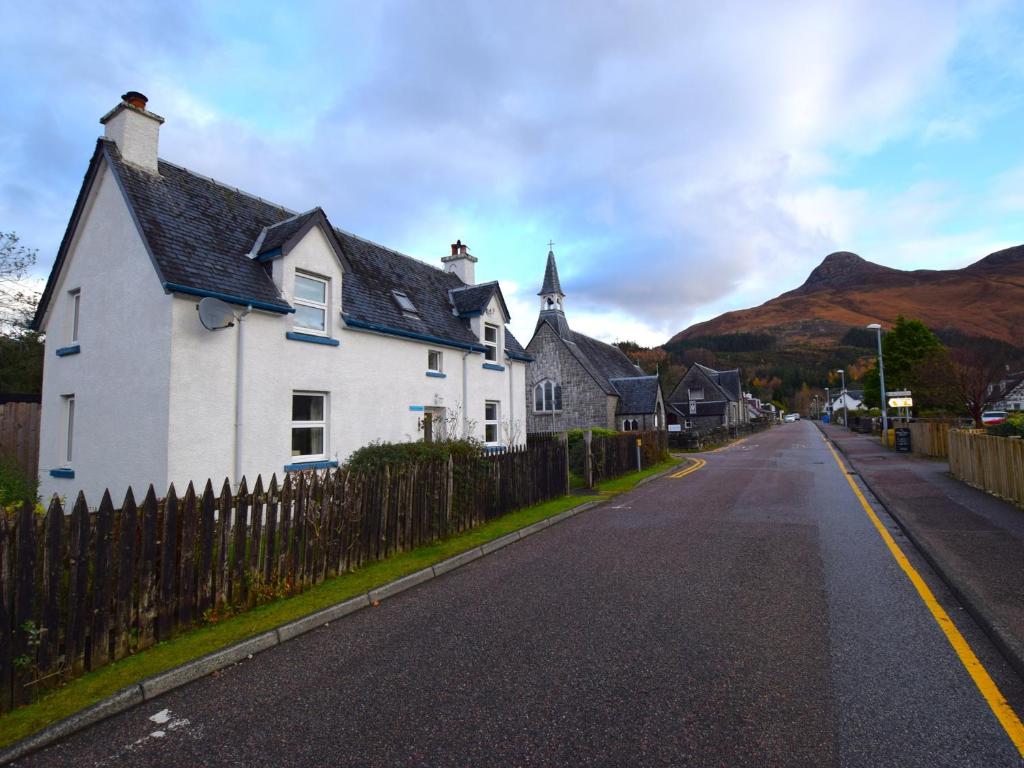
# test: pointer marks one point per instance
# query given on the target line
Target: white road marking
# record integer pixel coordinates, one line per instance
(161, 717)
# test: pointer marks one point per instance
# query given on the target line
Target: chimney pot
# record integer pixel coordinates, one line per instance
(135, 99)
(455, 248)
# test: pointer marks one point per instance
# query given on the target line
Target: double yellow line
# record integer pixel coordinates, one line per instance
(730, 445)
(986, 685)
(697, 464)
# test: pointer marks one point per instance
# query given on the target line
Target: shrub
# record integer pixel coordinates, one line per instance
(1012, 427)
(380, 454)
(16, 487)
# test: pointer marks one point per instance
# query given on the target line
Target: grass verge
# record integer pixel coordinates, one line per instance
(95, 686)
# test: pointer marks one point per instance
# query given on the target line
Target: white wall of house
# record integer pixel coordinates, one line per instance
(119, 379)
(377, 386)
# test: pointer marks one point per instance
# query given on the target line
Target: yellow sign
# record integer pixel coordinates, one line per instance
(639, 442)
(901, 402)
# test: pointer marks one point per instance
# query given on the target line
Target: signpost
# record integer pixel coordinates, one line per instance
(903, 439)
(902, 400)
(639, 442)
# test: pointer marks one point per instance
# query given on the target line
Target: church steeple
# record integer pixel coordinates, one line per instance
(551, 295)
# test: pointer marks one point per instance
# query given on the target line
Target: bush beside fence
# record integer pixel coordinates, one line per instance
(80, 591)
(992, 464)
(699, 439)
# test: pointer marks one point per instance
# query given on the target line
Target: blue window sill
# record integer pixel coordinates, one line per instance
(74, 349)
(437, 375)
(494, 367)
(309, 465)
(415, 407)
(308, 337)
(63, 472)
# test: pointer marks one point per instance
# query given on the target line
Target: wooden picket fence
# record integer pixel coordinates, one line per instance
(19, 435)
(82, 590)
(992, 464)
(930, 437)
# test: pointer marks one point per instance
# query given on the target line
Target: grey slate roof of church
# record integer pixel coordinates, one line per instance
(602, 361)
(551, 284)
(637, 394)
(200, 233)
(727, 381)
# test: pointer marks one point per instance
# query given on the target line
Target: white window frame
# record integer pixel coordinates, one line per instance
(491, 355)
(688, 424)
(76, 302)
(322, 423)
(495, 422)
(324, 307)
(69, 423)
(439, 368)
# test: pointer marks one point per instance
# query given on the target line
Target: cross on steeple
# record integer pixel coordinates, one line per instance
(551, 245)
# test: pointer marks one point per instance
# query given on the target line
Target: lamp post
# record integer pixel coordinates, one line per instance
(828, 404)
(881, 385)
(846, 410)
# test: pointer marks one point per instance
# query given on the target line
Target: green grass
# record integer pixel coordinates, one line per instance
(95, 686)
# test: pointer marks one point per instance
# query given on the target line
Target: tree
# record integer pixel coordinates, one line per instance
(974, 372)
(21, 349)
(17, 300)
(915, 359)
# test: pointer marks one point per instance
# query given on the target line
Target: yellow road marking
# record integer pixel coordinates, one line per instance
(730, 445)
(986, 685)
(697, 464)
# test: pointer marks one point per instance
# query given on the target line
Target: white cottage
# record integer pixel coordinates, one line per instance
(338, 341)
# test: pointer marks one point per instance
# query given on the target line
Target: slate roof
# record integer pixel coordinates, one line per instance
(551, 284)
(637, 394)
(727, 381)
(200, 234)
(472, 300)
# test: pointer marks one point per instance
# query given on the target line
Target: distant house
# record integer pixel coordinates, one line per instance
(1008, 392)
(705, 398)
(849, 400)
(577, 382)
(336, 341)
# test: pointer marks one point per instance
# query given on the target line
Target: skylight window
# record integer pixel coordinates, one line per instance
(404, 302)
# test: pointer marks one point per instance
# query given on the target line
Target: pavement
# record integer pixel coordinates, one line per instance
(748, 613)
(974, 540)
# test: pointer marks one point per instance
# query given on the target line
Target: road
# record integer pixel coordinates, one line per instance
(748, 613)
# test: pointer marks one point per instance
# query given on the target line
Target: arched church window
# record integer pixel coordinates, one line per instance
(547, 397)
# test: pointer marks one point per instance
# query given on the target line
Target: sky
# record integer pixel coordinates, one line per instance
(686, 158)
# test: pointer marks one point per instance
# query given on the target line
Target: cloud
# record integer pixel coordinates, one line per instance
(676, 154)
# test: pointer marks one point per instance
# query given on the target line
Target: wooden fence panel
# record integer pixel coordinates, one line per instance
(102, 579)
(125, 605)
(992, 464)
(19, 435)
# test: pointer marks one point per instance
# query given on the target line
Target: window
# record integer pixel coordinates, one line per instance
(491, 415)
(625, 425)
(309, 425)
(311, 303)
(76, 298)
(688, 424)
(696, 393)
(434, 361)
(547, 396)
(404, 302)
(70, 411)
(491, 341)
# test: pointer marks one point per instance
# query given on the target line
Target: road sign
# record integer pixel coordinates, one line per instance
(900, 393)
(901, 402)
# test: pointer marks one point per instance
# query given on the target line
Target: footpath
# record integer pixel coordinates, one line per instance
(974, 541)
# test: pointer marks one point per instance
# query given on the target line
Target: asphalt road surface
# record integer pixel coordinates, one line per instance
(746, 614)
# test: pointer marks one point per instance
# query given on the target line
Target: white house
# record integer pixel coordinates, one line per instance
(1010, 392)
(338, 341)
(847, 401)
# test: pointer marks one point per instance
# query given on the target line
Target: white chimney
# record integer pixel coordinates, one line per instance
(135, 130)
(461, 263)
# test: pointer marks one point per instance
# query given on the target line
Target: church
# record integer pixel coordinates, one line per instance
(577, 382)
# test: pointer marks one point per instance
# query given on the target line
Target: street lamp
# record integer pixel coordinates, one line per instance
(881, 385)
(828, 404)
(846, 410)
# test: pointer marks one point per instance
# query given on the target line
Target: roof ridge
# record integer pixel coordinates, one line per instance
(474, 285)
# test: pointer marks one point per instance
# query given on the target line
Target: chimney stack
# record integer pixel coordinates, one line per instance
(461, 262)
(135, 130)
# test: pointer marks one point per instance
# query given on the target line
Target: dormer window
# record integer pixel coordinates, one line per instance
(696, 393)
(490, 342)
(311, 297)
(404, 303)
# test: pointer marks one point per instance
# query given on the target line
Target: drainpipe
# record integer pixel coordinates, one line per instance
(239, 385)
(511, 403)
(465, 394)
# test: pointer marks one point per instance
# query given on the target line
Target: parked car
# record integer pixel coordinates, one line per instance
(792, 417)
(991, 418)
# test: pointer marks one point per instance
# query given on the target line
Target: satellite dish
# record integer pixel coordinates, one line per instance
(215, 314)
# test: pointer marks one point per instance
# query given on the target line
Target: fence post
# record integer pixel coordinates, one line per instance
(588, 459)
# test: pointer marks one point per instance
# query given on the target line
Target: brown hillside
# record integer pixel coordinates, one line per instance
(844, 291)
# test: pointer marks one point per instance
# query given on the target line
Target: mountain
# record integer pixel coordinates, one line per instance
(847, 292)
